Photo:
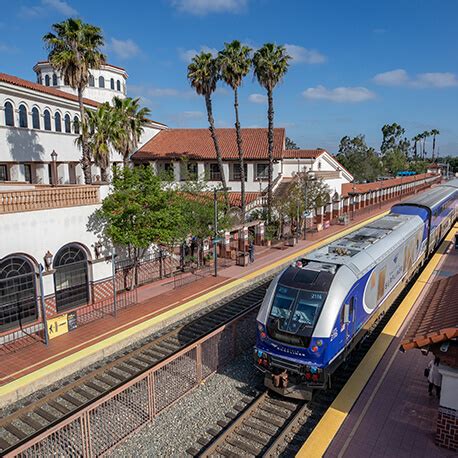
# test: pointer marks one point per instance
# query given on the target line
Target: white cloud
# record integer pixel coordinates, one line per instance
(203, 7)
(400, 77)
(186, 55)
(191, 115)
(124, 49)
(339, 94)
(60, 6)
(46, 6)
(7, 49)
(257, 98)
(303, 55)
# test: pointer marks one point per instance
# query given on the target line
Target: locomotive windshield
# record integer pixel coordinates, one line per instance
(295, 309)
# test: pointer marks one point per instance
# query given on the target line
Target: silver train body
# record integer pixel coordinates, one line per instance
(316, 310)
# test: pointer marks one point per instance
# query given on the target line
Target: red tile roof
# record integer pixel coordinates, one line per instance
(302, 153)
(198, 144)
(383, 184)
(436, 319)
(45, 89)
(235, 198)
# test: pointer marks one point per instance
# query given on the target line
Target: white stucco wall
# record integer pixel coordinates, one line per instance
(35, 232)
(100, 94)
(449, 388)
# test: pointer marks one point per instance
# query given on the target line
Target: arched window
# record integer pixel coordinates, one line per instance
(35, 118)
(47, 80)
(23, 116)
(91, 81)
(118, 86)
(76, 125)
(101, 81)
(112, 86)
(68, 127)
(18, 295)
(71, 277)
(54, 79)
(57, 122)
(9, 114)
(47, 117)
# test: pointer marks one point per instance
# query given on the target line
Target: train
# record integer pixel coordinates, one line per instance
(321, 306)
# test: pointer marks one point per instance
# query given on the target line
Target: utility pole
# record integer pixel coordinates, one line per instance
(215, 227)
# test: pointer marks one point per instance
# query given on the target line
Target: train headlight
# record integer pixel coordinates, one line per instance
(314, 349)
(319, 342)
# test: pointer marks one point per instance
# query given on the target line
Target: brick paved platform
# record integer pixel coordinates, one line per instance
(394, 416)
(154, 299)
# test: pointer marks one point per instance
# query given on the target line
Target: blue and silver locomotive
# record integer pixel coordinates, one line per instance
(316, 310)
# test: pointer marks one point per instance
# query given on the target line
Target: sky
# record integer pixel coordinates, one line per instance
(356, 64)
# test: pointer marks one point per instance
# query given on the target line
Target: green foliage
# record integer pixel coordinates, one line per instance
(417, 166)
(139, 212)
(359, 159)
(290, 144)
(395, 161)
(392, 138)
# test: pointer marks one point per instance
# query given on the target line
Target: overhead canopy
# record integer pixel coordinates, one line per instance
(436, 320)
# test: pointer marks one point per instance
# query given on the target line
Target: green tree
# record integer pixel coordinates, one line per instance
(415, 140)
(139, 212)
(290, 144)
(395, 161)
(203, 74)
(101, 128)
(434, 132)
(129, 123)
(270, 66)
(235, 63)
(358, 158)
(304, 194)
(74, 48)
(424, 136)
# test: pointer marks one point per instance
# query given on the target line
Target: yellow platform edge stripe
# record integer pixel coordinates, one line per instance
(41, 373)
(326, 429)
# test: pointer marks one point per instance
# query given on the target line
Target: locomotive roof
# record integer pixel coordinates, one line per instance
(365, 247)
(432, 197)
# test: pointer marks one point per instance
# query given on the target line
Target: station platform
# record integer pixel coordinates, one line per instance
(384, 410)
(34, 366)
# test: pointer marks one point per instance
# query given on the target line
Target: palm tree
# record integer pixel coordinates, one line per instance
(129, 121)
(424, 137)
(203, 74)
(102, 130)
(434, 132)
(270, 65)
(235, 63)
(74, 48)
(416, 139)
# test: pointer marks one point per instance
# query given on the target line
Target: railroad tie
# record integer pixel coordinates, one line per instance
(46, 415)
(4, 444)
(16, 432)
(252, 437)
(31, 422)
(268, 420)
(59, 407)
(71, 399)
(248, 448)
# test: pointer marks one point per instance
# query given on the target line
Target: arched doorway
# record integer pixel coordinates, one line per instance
(18, 294)
(71, 280)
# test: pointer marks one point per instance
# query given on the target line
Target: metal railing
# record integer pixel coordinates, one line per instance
(98, 427)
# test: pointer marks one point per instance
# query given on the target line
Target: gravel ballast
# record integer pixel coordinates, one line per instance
(179, 427)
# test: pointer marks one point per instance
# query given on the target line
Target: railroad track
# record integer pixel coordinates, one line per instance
(30, 421)
(270, 426)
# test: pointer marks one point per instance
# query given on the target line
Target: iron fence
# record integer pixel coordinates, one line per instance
(97, 428)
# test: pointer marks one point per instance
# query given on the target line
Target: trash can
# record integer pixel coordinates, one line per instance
(242, 258)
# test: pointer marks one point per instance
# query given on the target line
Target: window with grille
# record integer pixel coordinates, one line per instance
(91, 81)
(28, 173)
(47, 118)
(188, 171)
(23, 116)
(18, 294)
(234, 172)
(58, 122)
(101, 81)
(67, 123)
(213, 172)
(9, 114)
(35, 118)
(71, 277)
(3, 172)
(262, 171)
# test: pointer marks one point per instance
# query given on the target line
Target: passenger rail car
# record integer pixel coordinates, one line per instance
(319, 308)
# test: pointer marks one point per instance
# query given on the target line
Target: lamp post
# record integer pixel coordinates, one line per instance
(54, 168)
(215, 228)
(308, 176)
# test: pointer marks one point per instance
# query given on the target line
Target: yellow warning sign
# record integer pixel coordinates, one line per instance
(57, 326)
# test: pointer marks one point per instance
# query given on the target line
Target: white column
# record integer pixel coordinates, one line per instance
(17, 172)
(79, 174)
(250, 175)
(62, 174)
(201, 170)
(176, 171)
(42, 173)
